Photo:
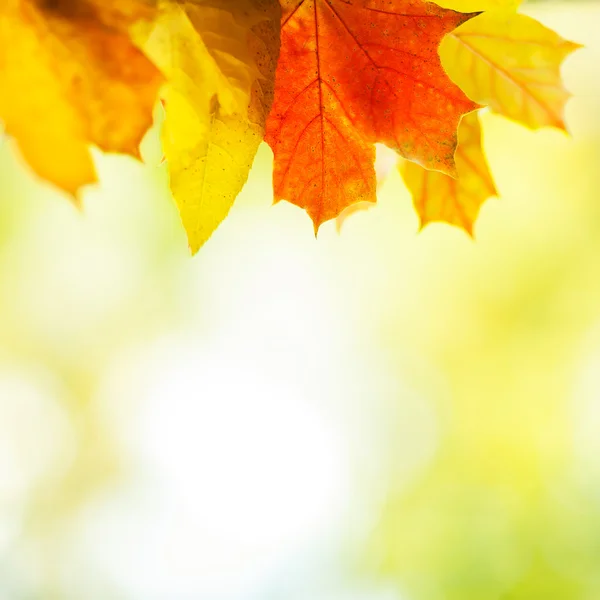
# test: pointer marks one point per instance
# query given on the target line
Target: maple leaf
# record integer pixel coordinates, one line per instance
(352, 73)
(511, 62)
(385, 161)
(219, 58)
(70, 77)
(439, 197)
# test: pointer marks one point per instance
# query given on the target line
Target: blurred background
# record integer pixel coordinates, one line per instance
(379, 414)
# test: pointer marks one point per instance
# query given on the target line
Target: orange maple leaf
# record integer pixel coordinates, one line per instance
(352, 73)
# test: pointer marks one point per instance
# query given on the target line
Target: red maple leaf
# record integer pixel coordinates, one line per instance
(351, 73)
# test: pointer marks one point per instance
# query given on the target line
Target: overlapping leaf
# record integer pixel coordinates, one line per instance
(220, 60)
(438, 197)
(69, 77)
(352, 73)
(512, 63)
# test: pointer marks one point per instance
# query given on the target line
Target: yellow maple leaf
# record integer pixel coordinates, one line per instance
(70, 77)
(219, 58)
(512, 63)
(439, 197)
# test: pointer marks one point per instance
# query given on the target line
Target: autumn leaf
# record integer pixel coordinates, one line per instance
(352, 73)
(439, 197)
(219, 58)
(512, 63)
(70, 77)
(386, 160)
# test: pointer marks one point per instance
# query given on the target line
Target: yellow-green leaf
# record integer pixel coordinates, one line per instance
(439, 197)
(219, 58)
(511, 62)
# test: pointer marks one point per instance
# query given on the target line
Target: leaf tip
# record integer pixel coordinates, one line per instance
(466, 227)
(471, 15)
(76, 196)
(194, 242)
(469, 230)
(450, 169)
(573, 46)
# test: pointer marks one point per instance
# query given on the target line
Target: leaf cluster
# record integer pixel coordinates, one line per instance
(321, 81)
